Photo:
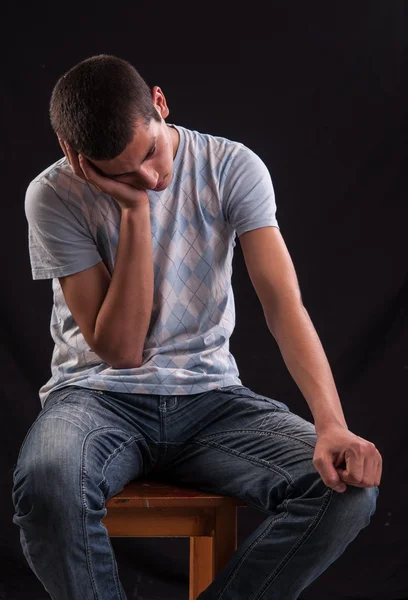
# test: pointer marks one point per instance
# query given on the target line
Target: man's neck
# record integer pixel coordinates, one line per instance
(175, 136)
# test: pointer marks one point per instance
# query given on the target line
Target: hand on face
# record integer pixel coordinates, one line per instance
(126, 195)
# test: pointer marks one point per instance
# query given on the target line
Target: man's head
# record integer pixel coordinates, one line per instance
(105, 110)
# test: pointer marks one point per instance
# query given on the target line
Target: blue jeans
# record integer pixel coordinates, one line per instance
(85, 445)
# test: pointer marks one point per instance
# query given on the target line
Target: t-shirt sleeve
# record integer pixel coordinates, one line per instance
(59, 243)
(249, 197)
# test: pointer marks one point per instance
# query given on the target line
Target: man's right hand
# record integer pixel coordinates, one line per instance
(127, 196)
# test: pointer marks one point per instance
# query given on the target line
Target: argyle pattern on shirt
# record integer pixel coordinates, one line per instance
(219, 189)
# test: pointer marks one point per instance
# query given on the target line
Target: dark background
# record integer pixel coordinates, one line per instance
(323, 101)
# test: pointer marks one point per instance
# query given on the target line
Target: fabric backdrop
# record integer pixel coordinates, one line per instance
(323, 102)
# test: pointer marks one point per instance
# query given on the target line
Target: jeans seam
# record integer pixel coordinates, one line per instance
(312, 527)
(115, 455)
(87, 439)
(251, 459)
(285, 560)
(258, 432)
(30, 562)
(163, 428)
(288, 556)
(248, 551)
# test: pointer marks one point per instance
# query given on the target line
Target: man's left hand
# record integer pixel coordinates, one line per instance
(341, 457)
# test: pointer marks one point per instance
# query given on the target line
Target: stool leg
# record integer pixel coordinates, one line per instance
(201, 565)
(225, 536)
(208, 555)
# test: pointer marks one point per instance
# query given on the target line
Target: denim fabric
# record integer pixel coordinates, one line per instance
(85, 445)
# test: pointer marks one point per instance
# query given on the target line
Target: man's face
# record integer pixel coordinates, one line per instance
(147, 162)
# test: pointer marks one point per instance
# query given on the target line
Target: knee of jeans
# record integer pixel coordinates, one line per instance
(46, 475)
(42, 486)
(360, 504)
(371, 499)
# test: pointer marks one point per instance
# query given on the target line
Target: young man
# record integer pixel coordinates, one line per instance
(136, 227)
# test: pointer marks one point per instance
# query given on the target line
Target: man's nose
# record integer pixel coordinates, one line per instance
(149, 178)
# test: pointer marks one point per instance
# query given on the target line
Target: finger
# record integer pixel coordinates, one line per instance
(371, 466)
(379, 473)
(90, 174)
(375, 477)
(380, 462)
(370, 473)
(65, 149)
(102, 183)
(330, 476)
(73, 160)
(355, 467)
(62, 144)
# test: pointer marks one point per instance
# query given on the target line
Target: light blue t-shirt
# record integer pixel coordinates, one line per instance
(220, 189)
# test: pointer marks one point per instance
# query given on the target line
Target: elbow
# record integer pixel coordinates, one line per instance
(125, 364)
(116, 360)
(126, 361)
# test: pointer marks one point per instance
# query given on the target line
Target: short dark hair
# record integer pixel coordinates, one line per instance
(95, 105)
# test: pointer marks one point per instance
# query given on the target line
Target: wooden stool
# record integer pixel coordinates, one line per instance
(147, 508)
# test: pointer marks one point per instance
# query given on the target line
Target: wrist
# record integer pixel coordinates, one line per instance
(328, 425)
(136, 208)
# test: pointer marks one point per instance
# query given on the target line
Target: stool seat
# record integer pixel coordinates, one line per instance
(142, 493)
(148, 508)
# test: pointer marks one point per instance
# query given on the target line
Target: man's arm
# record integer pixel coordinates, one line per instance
(340, 457)
(114, 314)
(273, 276)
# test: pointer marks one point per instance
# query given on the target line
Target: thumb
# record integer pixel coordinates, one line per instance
(331, 477)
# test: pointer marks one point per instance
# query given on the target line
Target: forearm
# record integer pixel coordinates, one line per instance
(306, 361)
(123, 319)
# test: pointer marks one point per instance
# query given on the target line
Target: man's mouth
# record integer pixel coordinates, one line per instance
(161, 185)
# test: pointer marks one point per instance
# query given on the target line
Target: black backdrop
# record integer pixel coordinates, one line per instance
(323, 102)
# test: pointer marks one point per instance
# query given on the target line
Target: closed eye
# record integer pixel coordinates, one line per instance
(152, 151)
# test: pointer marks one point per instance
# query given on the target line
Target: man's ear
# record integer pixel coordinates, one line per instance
(159, 102)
